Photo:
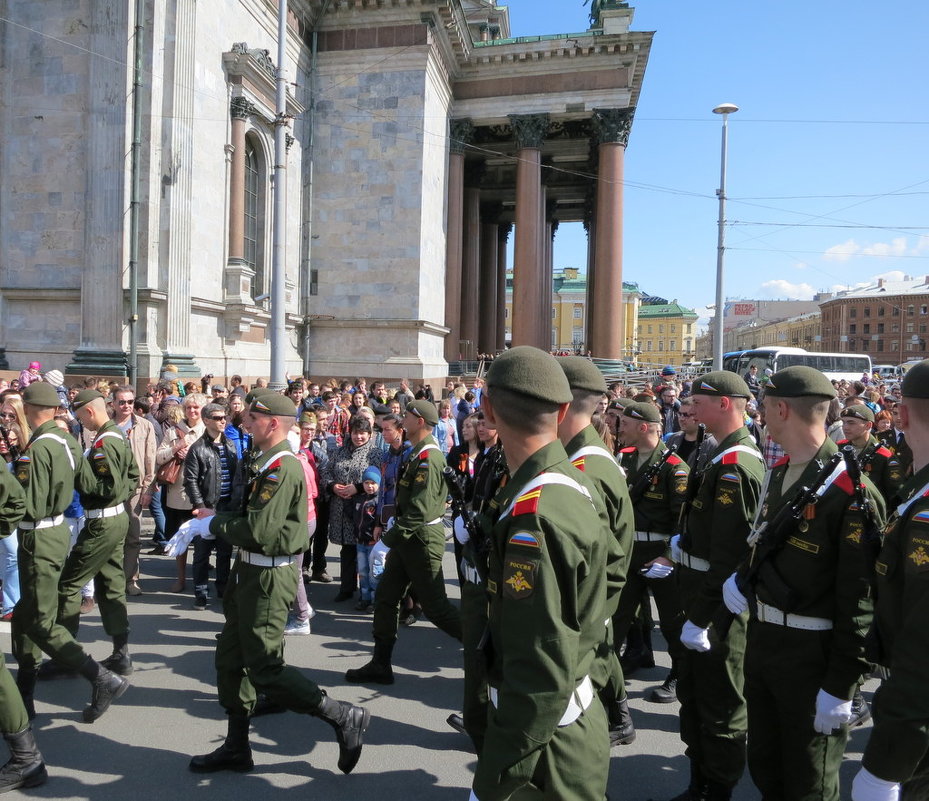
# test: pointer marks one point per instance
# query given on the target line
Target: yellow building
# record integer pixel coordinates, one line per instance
(569, 311)
(801, 331)
(667, 334)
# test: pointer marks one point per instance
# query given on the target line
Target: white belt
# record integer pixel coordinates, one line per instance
(470, 573)
(45, 522)
(771, 614)
(109, 511)
(434, 522)
(651, 536)
(260, 560)
(580, 700)
(694, 562)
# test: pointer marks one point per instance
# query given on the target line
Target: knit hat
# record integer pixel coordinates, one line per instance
(54, 377)
(35, 366)
(372, 474)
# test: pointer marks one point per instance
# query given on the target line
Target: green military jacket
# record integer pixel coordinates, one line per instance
(46, 470)
(108, 475)
(659, 507)
(719, 521)
(900, 464)
(421, 493)
(12, 503)
(607, 477)
(884, 476)
(824, 567)
(900, 739)
(273, 521)
(547, 591)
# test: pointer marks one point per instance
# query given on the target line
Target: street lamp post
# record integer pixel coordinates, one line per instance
(725, 109)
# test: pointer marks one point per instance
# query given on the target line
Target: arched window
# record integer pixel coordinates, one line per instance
(254, 217)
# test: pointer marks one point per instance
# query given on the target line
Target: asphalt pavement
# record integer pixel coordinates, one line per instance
(141, 747)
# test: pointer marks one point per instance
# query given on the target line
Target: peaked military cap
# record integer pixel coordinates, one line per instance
(799, 381)
(619, 403)
(915, 382)
(860, 411)
(531, 372)
(720, 383)
(643, 412)
(582, 374)
(425, 410)
(84, 397)
(39, 393)
(274, 404)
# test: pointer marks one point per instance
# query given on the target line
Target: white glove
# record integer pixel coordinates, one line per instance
(473, 797)
(390, 523)
(461, 531)
(732, 596)
(658, 571)
(676, 548)
(695, 638)
(831, 712)
(867, 787)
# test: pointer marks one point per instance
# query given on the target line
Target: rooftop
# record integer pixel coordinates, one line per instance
(882, 288)
(673, 309)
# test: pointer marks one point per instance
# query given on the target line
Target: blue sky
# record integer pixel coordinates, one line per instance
(833, 130)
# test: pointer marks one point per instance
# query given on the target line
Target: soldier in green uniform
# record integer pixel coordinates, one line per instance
(546, 734)
(268, 531)
(857, 425)
(711, 544)
(657, 498)
(812, 602)
(896, 759)
(109, 477)
(901, 455)
(46, 470)
(25, 768)
(417, 543)
(588, 454)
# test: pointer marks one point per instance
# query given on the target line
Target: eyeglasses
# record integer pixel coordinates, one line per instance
(125, 402)
(7, 416)
(217, 419)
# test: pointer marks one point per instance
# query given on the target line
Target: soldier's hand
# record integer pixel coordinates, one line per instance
(676, 548)
(657, 569)
(695, 638)
(831, 712)
(732, 596)
(867, 787)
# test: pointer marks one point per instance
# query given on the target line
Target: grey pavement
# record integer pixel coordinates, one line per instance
(141, 747)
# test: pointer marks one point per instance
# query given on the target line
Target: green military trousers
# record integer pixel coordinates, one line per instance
(473, 628)
(97, 554)
(13, 716)
(415, 561)
(787, 757)
(250, 649)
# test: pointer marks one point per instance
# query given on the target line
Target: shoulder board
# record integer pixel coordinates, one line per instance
(844, 483)
(882, 451)
(841, 442)
(527, 504)
(730, 458)
(627, 450)
(579, 463)
(674, 459)
(782, 461)
(423, 455)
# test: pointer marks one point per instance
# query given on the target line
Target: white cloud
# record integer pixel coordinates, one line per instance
(780, 289)
(842, 252)
(897, 247)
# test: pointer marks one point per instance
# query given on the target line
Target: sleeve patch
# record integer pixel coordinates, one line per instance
(524, 538)
(921, 517)
(919, 556)
(733, 477)
(518, 579)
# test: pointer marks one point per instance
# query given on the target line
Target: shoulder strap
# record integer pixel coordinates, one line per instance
(107, 434)
(428, 447)
(540, 481)
(274, 459)
(61, 441)
(596, 450)
(903, 508)
(737, 449)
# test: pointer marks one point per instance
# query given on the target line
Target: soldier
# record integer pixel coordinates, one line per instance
(546, 735)
(858, 425)
(417, 543)
(895, 764)
(715, 525)
(901, 456)
(812, 603)
(109, 478)
(25, 768)
(587, 453)
(268, 530)
(658, 486)
(46, 471)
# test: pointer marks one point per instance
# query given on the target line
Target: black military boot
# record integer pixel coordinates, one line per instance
(638, 653)
(622, 732)
(378, 670)
(667, 692)
(350, 723)
(26, 767)
(106, 688)
(861, 712)
(717, 792)
(234, 754)
(25, 682)
(119, 662)
(697, 789)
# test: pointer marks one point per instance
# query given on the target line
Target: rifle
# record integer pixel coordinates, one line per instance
(867, 454)
(768, 539)
(460, 509)
(871, 536)
(637, 490)
(693, 485)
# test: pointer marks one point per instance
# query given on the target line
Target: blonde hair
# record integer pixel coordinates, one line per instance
(20, 427)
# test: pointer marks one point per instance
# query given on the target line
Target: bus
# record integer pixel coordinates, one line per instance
(835, 366)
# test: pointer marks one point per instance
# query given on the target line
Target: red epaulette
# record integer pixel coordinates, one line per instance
(579, 463)
(674, 460)
(730, 458)
(841, 442)
(844, 483)
(882, 451)
(424, 454)
(527, 504)
(627, 450)
(782, 461)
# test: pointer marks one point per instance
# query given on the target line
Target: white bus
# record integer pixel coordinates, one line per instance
(835, 366)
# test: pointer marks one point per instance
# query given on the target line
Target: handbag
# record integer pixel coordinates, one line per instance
(170, 470)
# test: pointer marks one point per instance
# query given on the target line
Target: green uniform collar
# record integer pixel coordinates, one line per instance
(427, 440)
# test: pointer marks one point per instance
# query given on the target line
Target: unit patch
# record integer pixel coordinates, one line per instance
(919, 556)
(524, 538)
(518, 579)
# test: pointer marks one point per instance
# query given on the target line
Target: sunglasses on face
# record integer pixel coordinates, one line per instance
(217, 418)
